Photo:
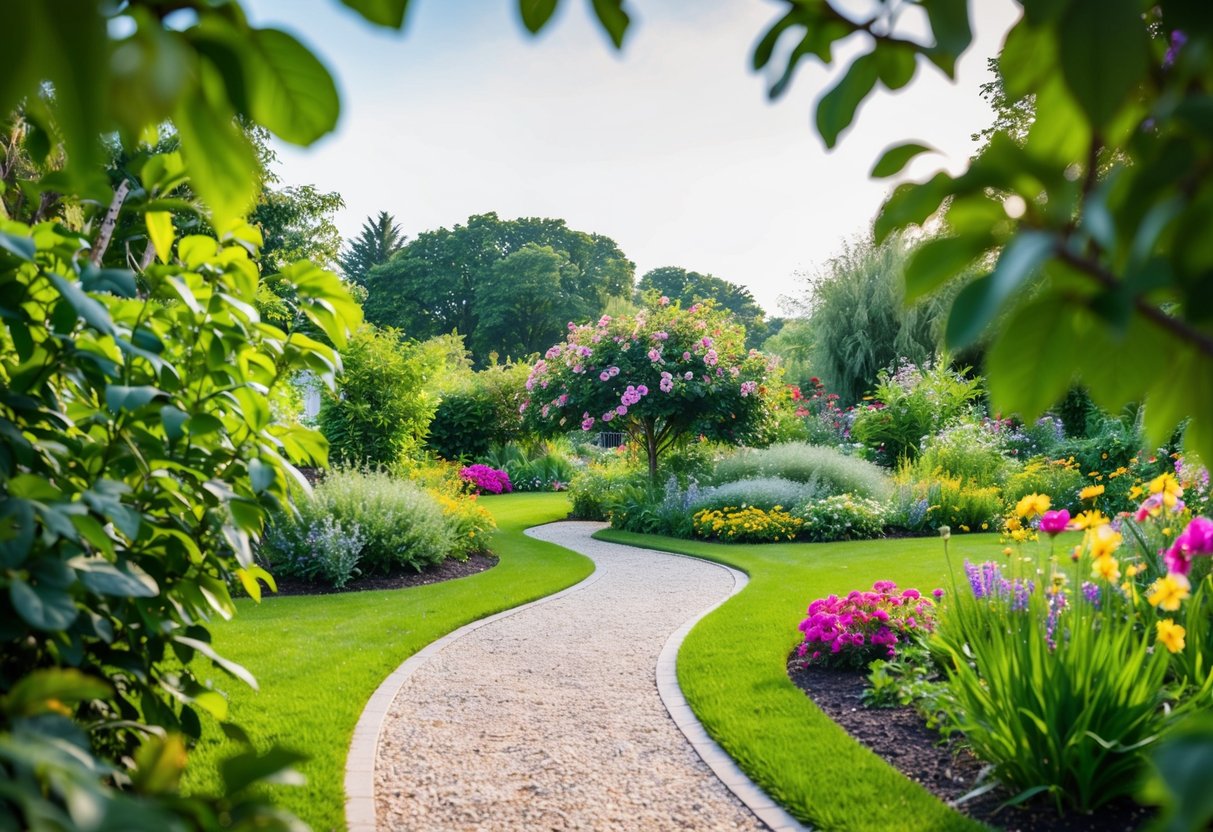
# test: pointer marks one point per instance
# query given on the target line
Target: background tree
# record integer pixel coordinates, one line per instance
(689, 287)
(379, 239)
(856, 322)
(657, 375)
(526, 301)
(430, 286)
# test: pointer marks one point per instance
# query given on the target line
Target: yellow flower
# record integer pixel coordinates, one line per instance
(1106, 567)
(1135, 492)
(1019, 535)
(1089, 519)
(1033, 504)
(1170, 635)
(964, 528)
(985, 526)
(1013, 523)
(1169, 592)
(1008, 551)
(1132, 570)
(1103, 541)
(1168, 487)
(1090, 492)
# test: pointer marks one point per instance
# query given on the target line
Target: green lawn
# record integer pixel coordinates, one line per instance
(318, 659)
(732, 671)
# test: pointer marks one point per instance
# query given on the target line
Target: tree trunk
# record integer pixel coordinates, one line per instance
(650, 446)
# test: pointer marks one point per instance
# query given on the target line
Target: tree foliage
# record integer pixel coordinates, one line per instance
(657, 375)
(689, 287)
(856, 322)
(379, 239)
(433, 285)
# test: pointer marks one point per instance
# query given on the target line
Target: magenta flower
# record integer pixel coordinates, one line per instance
(1054, 523)
(1196, 539)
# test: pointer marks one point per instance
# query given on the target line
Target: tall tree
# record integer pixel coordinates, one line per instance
(378, 241)
(691, 287)
(526, 301)
(430, 286)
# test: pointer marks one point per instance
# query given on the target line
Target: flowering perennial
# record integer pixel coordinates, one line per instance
(862, 626)
(487, 480)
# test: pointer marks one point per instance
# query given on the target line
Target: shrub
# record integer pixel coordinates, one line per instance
(593, 490)
(763, 492)
(481, 412)
(471, 521)
(1039, 438)
(314, 548)
(403, 523)
(486, 480)
(828, 468)
(843, 517)
(749, 524)
(962, 507)
(909, 508)
(911, 403)
(641, 508)
(382, 408)
(966, 450)
(548, 469)
(862, 626)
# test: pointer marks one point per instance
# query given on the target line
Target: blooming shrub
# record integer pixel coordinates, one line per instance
(843, 517)
(486, 480)
(762, 492)
(314, 549)
(968, 451)
(1060, 478)
(854, 630)
(747, 524)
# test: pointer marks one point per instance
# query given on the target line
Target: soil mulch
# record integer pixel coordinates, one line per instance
(945, 768)
(448, 570)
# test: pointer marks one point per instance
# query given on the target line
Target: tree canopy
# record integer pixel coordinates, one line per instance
(379, 239)
(453, 279)
(690, 287)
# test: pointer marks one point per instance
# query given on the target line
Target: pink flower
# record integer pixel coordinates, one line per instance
(587, 422)
(686, 356)
(621, 410)
(1196, 539)
(604, 376)
(1054, 523)
(663, 301)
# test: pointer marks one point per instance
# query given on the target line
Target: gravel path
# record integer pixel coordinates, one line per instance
(549, 719)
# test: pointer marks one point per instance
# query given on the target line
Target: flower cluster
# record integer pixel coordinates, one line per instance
(747, 524)
(862, 626)
(843, 517)
(486, 480)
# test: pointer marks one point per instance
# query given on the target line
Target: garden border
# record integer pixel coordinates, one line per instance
(360, 813)
(715, 757)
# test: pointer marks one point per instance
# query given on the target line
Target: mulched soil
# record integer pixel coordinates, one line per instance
(447, 570)
(946, 769)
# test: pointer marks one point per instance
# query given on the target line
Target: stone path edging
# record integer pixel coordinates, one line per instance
(360, 762)
(715, 757)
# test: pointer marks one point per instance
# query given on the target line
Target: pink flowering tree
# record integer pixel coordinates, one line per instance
(658, 375)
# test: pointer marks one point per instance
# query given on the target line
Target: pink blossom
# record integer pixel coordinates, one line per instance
(654, 355)
(710, 358)
(1196, 539)
(604, 376)
(1054, 523)
(622, 410)
(663, 301)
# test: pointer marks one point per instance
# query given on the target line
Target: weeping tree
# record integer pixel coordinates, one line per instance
(856, 321)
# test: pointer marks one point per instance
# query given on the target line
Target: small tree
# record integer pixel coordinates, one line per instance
(657, 375)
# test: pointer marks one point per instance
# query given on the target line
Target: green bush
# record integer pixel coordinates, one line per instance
(911, 403)
(832, 471)
(843, 517)
(382, 407)
(594, 489)
(967, 451)
(480, 412)
(1059, 478)
(546, 468)
(403, 524)
(963, 507)
(314, 547)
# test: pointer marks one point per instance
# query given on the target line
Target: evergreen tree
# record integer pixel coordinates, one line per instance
(379, 239)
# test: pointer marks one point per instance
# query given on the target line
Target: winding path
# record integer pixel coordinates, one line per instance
(548, 717)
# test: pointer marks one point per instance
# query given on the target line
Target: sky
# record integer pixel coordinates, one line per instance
(670, 147)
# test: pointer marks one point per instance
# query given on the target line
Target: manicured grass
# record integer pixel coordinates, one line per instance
(732, 671)
(319, 658)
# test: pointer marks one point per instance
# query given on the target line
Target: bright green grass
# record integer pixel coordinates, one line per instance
(318, 659)
(732, 671)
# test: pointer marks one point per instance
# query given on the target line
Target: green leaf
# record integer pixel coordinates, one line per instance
(94, 314)
(613, 19)
(117, 282)
(290, 91)
(222, 164)
(174, 422)
(389, 13)
(836, 109)
(936, 262)
(1178, 779)
(227, 664)
(911, 204)
(897, 157)
(16, 531)
(23, 54)
(159, 762)
(50, 610)
(244, 770)
(93, 532)
(76, 31)
(22, 247)
(536, 13)
(104, 578)
(261, 476)
(978, 303)
(39, 691)
(1026, 366)
(119, 398)
(160, 232)
(1027, 56)
(1104, 54)
(950, 25)
(895, 65)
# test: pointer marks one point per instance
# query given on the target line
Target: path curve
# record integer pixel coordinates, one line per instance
(548, 717)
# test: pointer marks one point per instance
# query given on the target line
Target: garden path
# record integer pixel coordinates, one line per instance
(549, 717)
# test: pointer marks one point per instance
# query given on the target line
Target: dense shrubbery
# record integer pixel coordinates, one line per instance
(761, 492)
(830, 470)
(479, 412)
(853, 630)
(747, 524)
(843, 517)
(546, 468)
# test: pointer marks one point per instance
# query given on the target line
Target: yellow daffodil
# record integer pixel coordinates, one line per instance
(1090, 492)
(1170, 635)
(1169, 591)
(1106, 567)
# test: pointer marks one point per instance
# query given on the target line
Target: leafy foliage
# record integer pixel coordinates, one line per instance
(831, 470)
(690, 287)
